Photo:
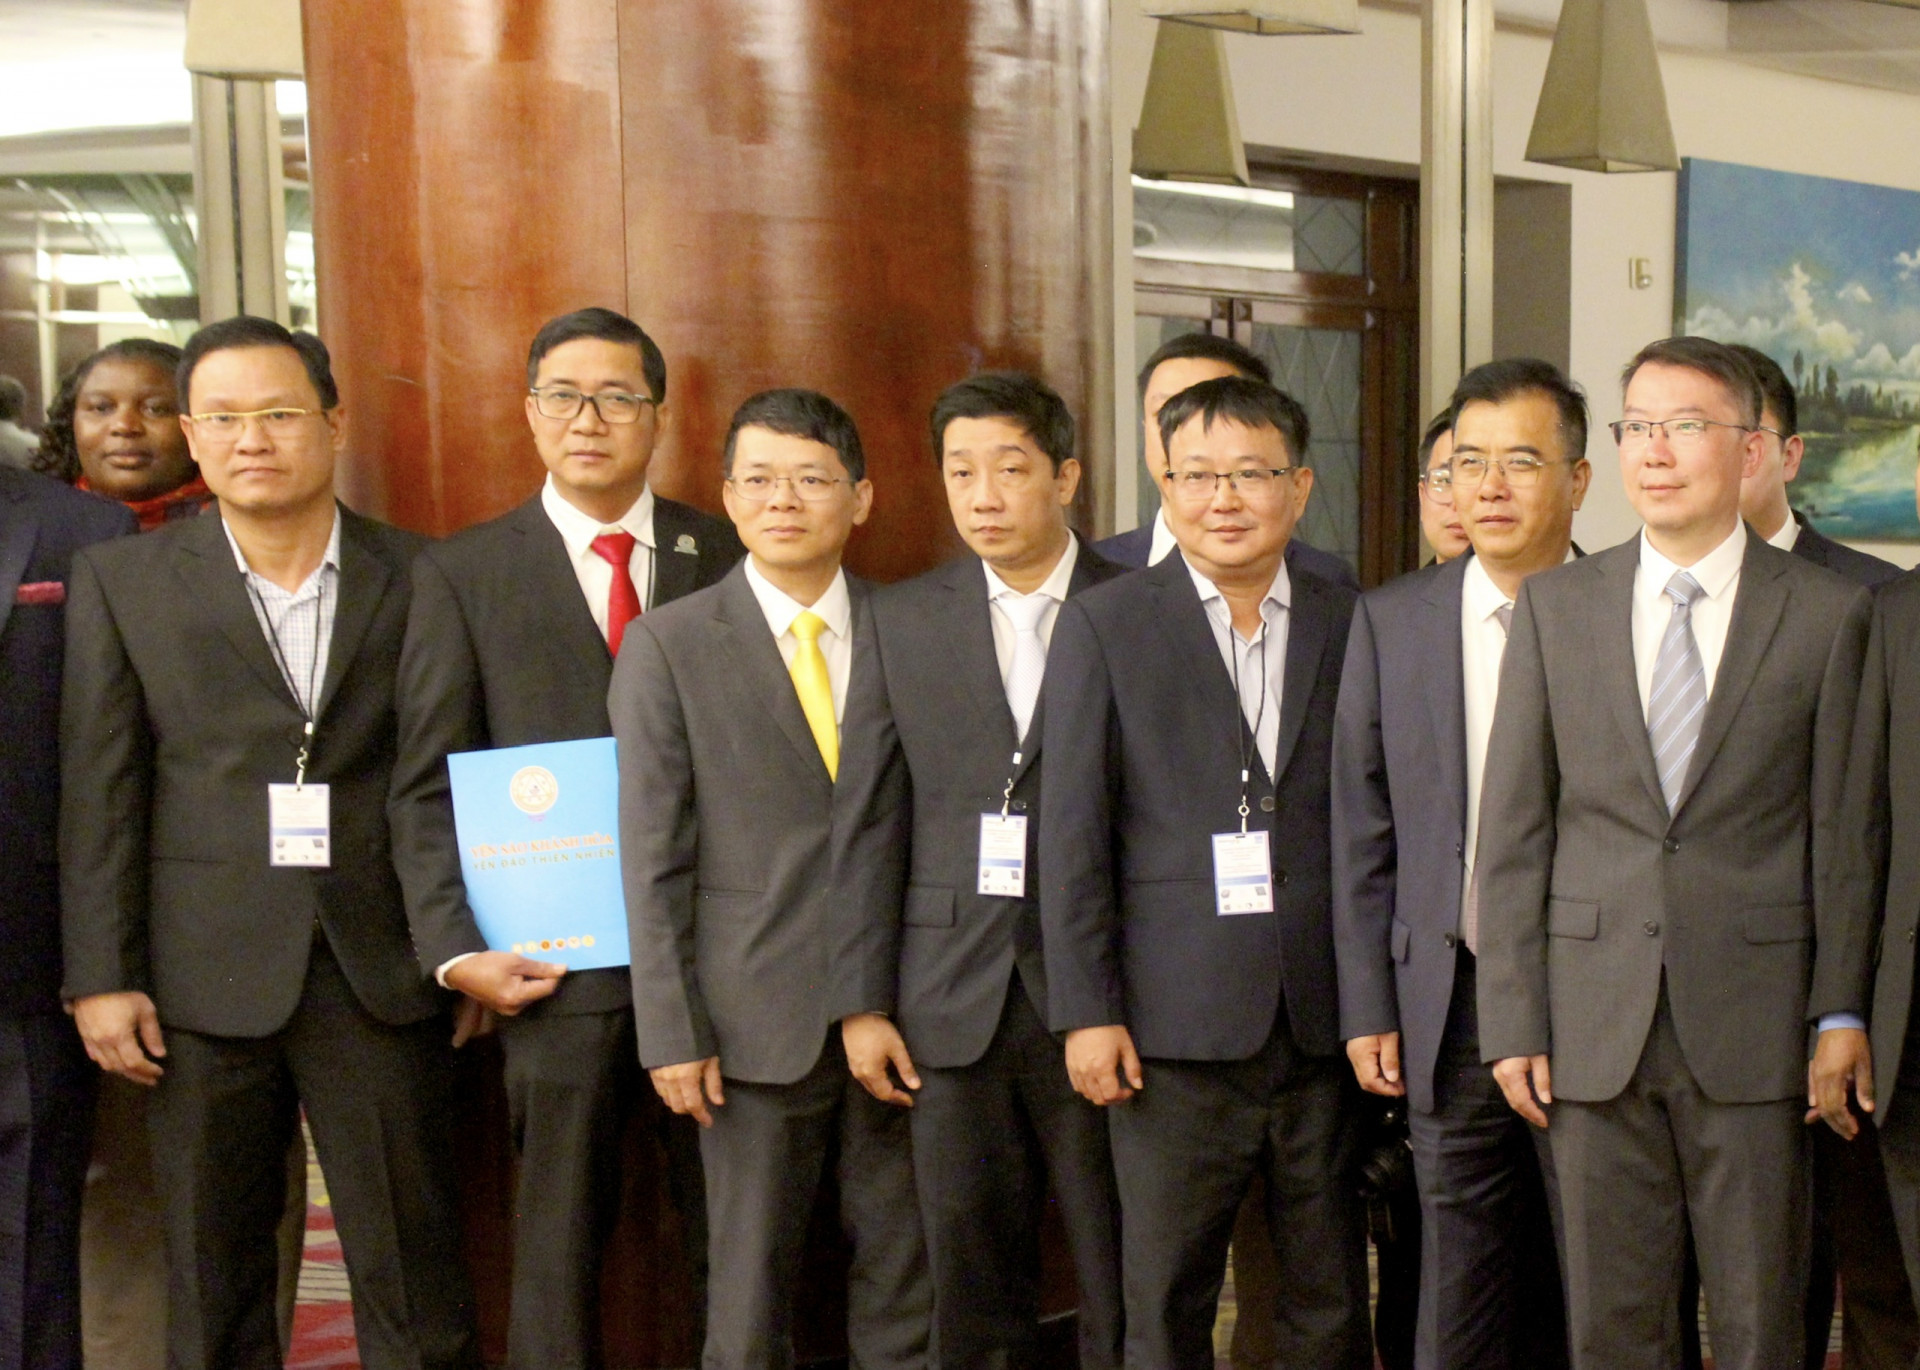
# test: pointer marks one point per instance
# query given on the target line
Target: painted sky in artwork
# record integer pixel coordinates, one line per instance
(1786, 263)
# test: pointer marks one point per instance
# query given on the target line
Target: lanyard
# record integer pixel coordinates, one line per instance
(286, 671)
(1006, 795)
(1250, 739)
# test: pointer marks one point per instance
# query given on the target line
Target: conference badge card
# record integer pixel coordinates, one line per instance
(538, 829)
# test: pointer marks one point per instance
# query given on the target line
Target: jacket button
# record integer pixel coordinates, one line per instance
(1266, 803)
(1460, 850)
(1671, 846)
(1451, 940)
(1909, 934)
(1019, 806)
(1651, 928)
(1280, 879)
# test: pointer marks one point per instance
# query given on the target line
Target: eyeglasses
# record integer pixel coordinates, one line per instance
(1521, 472)
(758, 489)
(1684, 434)
(1254, 482)
(612, 406)
(1439, 485)
(226, 427)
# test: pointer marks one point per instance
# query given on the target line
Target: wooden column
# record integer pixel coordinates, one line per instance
(870, 198)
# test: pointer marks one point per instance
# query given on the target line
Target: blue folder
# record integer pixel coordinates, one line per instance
(539, 834)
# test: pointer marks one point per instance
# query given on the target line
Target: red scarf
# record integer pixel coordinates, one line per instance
(183, 502)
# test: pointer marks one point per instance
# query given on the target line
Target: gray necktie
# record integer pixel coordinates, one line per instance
(1679, 698)
(1470, 915)
(1029, 664)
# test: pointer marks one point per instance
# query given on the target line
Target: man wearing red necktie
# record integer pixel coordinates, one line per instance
(514, 628)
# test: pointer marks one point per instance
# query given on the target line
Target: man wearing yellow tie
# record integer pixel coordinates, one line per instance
(729, 707)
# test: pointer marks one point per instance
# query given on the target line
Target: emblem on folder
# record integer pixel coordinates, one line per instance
(685, 543)
(533, 790)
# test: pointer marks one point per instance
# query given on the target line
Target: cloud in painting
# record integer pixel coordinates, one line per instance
(1909, 263)
(1853, 293)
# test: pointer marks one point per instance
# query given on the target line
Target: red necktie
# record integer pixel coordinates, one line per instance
(623, 602)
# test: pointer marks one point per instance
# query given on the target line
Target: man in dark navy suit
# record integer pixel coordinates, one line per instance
(1181, 362)
(46, 1082)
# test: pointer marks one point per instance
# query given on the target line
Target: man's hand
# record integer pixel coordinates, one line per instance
(115, 1028)
(1376, 1063)
(505, 981)
(1101, 1064)
(873, 1043)
(1841, 1058)
(471, 1019)
(1527, 1081)
(689, 1087)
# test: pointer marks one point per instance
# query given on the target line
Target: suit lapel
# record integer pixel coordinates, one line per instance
(977, 671)
(1309, 624)
(1182, 623)
(676, 553)
(1089, 569)
(756, 656)
(1447, 695)
(1612, 634)
(551, 581)
(364, 574)
(204, 562)
(18, 532)
(1757, 607)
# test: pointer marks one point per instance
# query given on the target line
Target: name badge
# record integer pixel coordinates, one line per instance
(1003, 854)
(1242, 873)
(299, 825)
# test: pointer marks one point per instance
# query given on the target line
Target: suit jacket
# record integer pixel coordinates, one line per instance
(174, 720)
(42, 524)
(501, 651)
(728, 846)
(944, 954)
(1882, 826)
(1400, 816)
(1590, 892)
(1141, 768)
(1858, 567)
(1132, 548)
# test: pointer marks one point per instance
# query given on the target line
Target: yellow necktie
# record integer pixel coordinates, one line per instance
(809, 671)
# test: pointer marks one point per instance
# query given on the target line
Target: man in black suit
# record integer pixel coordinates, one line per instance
(46, 1084)
(957, 955)
(1417, 700)
(1186, 891)
(1175, 365)
(1853, 1225)
(729, 708)
(510, 641)
(235, 933)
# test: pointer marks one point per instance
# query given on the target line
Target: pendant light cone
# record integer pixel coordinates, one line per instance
(1603, 106)
(1265, 16)
(1189, 129)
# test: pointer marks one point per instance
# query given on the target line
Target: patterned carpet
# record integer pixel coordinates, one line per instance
(323, 1318)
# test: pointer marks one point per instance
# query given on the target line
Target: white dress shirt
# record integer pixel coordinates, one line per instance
(1483, 646)
(1163, 542)
(298, 624)
(578, 529)
(1053, 588)
(834, 608)
(1719, 575)
(1786, 534)
(1242, 657)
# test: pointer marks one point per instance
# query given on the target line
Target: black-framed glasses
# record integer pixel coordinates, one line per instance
(1520, 472)
(1682, 433)
(1251, 482)
(758, 489)
(613, 406)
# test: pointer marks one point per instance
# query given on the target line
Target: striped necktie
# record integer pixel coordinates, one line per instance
(1678, 701)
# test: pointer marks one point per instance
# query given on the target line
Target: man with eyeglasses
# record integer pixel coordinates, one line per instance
(1186, 900)
(511, 639)
(745, 916)
(1417, 702)
(235, 934)
(1433, 472)
(1664, 909)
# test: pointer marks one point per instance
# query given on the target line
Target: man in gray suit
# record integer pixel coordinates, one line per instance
(1417, 701)
(728, 706)
(1656, 852)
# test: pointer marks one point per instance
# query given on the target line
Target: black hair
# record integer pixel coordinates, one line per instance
(248, 330)
(59, 453)
(1238, 399)
(1207, 347)
(1442, 425)
(799, 414)
(1776, 391)
(13, 399)
(1007, 395)
(608, 326)
(1511, 377)
(1715, 360)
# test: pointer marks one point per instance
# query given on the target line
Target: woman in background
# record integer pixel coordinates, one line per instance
(114, 429)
